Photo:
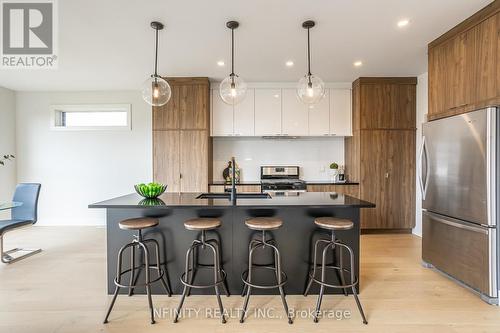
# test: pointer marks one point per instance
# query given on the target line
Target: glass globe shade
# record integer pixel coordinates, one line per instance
(156, 91)
(310, 89)
(232, 90)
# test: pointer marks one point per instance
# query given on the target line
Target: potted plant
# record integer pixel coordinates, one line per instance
(334, 170)
(5, 158)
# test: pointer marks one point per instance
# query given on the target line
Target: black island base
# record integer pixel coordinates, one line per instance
(295, 239)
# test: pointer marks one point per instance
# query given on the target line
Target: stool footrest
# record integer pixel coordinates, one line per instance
(161, 274)
(244, 277)
(217, 283)
(323, 283)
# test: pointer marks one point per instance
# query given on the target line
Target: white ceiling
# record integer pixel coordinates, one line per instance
(109, 44)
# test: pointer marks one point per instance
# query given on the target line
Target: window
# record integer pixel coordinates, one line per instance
(91, 117)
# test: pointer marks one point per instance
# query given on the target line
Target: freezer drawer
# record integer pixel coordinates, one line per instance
(463, 250)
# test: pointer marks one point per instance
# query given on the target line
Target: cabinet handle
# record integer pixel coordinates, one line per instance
(386, 175)
(180, 176)
(458, 106)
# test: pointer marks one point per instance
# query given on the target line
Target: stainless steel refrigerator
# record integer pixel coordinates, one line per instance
(458, 178)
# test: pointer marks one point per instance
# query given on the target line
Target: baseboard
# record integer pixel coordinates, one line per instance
(385, 231)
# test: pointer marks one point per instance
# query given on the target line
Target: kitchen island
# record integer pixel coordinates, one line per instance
(295, 238)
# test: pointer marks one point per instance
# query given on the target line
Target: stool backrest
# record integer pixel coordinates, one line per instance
(27, 193)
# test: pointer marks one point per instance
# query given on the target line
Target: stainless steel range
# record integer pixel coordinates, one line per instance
(281, 180)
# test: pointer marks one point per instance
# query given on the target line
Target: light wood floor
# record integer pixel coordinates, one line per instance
(63, 290)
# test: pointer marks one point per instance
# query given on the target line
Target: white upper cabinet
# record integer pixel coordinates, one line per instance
(244, 115)
(270, 111)
(222, 116)
(340, 112)
(294, 114)
(319, 117)
(267, 112)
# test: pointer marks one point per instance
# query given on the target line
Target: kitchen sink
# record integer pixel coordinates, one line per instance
(238, 196)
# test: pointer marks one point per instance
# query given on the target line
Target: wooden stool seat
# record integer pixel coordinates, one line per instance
(333, 223)
(202, 223)
(264, 223)
(139, 223)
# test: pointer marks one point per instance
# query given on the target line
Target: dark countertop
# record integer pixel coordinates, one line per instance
(308, 182)
(179, 200)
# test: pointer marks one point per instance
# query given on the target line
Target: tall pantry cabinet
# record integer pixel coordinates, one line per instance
(381, 153)
(182, 146)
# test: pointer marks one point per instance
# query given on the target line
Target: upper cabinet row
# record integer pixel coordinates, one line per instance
(464, 65)
(278, 112)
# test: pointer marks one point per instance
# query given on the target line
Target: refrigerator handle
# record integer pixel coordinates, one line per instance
(420, 160)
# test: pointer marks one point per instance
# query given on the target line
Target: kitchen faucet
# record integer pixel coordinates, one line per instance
(233, 181)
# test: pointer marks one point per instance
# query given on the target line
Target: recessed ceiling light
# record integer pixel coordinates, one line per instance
(403, 23)
(220, 63)
(289, 63)
(358, 63)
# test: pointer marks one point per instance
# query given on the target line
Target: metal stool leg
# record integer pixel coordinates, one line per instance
(278, 274)
(132, 267)
(185, 291)
(148, 285)
(244, 292)
(249, 279)
(353, 278)
(219, 255)
(118, 278)
(163, 278)
(322, 289)
(339, 272)
(193, 266)
(216, 278)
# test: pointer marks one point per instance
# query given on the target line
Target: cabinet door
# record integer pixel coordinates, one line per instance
(481, 69)
(166, 163)
(193, 106)
(319, 117)
(222, 116)
(267, 112)
(295, 117)
(167, 116)
(194, 161)
(388, 178)
(244, 115)
(340, 112)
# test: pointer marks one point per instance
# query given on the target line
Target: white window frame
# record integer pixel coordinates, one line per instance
(55, 109)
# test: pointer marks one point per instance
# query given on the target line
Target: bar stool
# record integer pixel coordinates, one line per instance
(264, 224)
(333, 224)
(187, 278)
(138, 224)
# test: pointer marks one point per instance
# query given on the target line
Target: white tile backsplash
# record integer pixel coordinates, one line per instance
(313, 155)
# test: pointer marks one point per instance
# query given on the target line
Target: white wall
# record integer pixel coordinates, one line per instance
(313, 155)
(77, 168)
(7, 145)
(422, 104)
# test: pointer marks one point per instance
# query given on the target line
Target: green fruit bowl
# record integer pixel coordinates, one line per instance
(151, 190)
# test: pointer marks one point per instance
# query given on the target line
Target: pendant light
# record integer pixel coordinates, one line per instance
(232, 89)
(155, 90)
(310, 89)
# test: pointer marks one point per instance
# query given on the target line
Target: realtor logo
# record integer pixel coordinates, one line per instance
(28, 34)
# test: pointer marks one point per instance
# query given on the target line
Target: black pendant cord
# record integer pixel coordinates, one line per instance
(232, 56)
(156, 54)
(308, 54)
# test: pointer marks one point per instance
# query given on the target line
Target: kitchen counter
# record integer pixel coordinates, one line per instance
(177, 200)
(308, 182)
(295, 238)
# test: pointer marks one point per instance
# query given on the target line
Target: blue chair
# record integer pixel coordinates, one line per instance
(22, 216)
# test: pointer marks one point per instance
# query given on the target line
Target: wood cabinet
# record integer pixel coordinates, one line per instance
(181, 140)
(381, 153)
(464, 65)
(352, 190)
(267, 112)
